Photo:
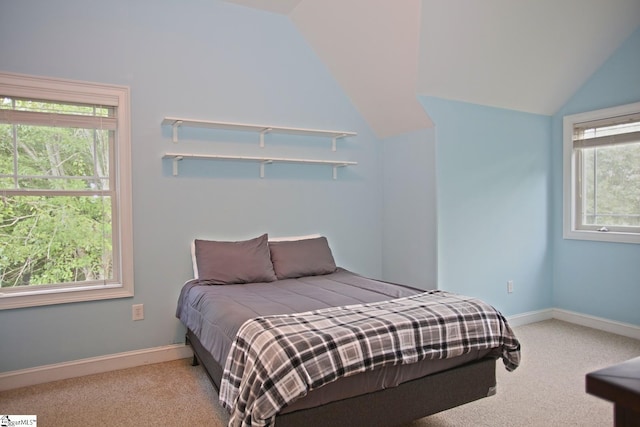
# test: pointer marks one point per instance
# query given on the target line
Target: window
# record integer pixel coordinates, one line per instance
(602, 175)
(65, 191)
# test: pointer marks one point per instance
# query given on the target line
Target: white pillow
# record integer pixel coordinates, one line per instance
(294, 238)
(194, 259)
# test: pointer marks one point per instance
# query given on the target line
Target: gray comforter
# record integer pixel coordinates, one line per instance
(216, 312)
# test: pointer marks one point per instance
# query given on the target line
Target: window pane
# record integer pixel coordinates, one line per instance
(611, 185)
(59, 239)
(6, 150)
(62, 158)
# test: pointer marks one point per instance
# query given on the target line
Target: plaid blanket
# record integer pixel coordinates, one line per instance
(275, 360)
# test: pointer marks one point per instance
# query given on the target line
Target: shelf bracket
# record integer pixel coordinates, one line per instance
(334, 139)
(175, 164)
(262, 134)
(335, 169)
(175, 126)
(262, 163)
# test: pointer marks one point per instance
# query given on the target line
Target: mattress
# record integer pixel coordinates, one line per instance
(215, 313)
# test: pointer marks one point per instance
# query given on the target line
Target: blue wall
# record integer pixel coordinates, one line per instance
(409, 238)
(493, 179)
(597, 278)
(208, 60)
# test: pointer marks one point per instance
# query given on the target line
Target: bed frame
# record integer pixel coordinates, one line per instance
(389, 407)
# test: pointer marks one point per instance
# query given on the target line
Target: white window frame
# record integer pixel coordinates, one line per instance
(570, 199)
(53, 89)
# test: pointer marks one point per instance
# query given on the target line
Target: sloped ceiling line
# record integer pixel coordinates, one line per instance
(528, 56)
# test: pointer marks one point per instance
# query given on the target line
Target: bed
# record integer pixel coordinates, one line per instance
(289, 338)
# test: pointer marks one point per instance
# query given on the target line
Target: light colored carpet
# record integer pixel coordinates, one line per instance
(546, 390)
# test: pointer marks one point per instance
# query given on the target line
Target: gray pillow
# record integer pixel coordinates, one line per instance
(224, 263)
(297, 258)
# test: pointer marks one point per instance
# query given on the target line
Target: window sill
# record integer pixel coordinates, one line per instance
(62, 296)
(600, 236)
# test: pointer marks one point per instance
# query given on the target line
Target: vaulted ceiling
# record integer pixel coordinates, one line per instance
(525, 55)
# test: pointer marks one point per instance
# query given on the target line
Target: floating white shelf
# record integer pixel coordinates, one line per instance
(262, 160)
(176, 122)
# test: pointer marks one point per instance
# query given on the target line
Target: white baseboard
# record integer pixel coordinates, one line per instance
(619, 328)
(624, 329)
(530, 317)
(93, 365)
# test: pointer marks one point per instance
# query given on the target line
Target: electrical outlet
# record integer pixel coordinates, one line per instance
(137, 311)
(510, 286)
